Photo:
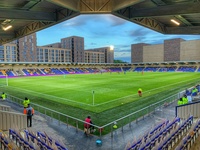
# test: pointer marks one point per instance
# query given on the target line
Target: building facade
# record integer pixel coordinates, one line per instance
(27, 48)
(76, 44)
(107, 51)
(94, 57)
(51, 54)
(8, 52)
(70, 49)
(171, 50)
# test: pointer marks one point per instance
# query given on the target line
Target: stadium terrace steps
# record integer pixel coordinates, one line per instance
(75, 140)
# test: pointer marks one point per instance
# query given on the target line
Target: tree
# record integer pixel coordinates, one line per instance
(119, 61)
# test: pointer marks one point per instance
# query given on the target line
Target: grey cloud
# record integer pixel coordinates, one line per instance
(93, 43)
(139, 32)
(115, 21)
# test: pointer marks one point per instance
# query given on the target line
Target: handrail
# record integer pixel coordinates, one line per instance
(140, 110)
(9, 97)
(174, 97)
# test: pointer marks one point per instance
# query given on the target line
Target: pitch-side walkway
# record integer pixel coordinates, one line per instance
(78, 141)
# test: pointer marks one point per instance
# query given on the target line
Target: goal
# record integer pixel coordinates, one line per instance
(3, 80)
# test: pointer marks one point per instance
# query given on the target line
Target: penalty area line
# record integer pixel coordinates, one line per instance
(143, 92)
(50, 96)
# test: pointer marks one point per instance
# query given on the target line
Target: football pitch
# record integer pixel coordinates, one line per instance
(107, 95)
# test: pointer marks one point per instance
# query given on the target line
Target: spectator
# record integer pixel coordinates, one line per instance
(189, 97)
(185, 100)
(88, 127)
(198, 87)
(29, 111)
(194, 91)
(3, 96)
(140, 92)
(26, 102)
(187, 92)
(115, 125)
(180, 102)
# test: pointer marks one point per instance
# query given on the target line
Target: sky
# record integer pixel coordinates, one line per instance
(105, 30)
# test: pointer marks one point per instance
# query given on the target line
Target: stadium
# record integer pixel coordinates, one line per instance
(64, 92)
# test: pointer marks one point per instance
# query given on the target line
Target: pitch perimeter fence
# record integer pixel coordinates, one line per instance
(78, 123)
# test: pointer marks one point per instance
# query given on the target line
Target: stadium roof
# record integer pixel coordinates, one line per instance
(29, 16)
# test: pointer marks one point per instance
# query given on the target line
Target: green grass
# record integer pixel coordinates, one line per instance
(115, 95)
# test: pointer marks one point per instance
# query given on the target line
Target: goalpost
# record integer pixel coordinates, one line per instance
(3, 80)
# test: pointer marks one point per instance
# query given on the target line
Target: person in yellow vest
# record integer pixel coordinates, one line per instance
(194, 91)
(140, 92)
(180, 102)
(185, 100)
(3, 96)
(26, 102)
(115, 125)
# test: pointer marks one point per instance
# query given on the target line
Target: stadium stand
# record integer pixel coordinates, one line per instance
(151, 69)
(78, 70)
(164, 135)
(25, 71)
(27, 139)
(139, 69)
(64, 71)
(190, 138)
(167, 69)
(2, 72)
(187, 69)
(10, 73)
(81, 70)
(126, 68)
(115, 69)
(56, 71)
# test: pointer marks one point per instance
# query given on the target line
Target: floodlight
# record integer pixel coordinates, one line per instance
(5, 28)
(174, 21)
(111, 47)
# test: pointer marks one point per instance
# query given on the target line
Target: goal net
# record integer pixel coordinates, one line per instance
(3, 80)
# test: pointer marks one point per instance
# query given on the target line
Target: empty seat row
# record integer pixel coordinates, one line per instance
(29, 140)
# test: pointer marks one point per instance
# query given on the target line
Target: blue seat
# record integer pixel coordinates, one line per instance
(98, 142)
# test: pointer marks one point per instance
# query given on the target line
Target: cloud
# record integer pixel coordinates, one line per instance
(93, 43)
(139, 32)
(115, 21)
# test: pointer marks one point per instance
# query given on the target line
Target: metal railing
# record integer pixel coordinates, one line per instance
(121, 122)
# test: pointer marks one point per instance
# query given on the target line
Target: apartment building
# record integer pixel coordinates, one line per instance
(94, 57)
(70, 49)
(27, 48)
(51, 54)
(76, 44)
(107, 51)
(8, 52)
(171, 50)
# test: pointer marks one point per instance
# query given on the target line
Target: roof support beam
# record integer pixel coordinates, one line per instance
(30, 4)
(27, 15)
(95, 6)
(183, 30)
(184, 20)
(179, 9)
(61, 15)
(119, 4)
(146, 22)
(69, 4)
